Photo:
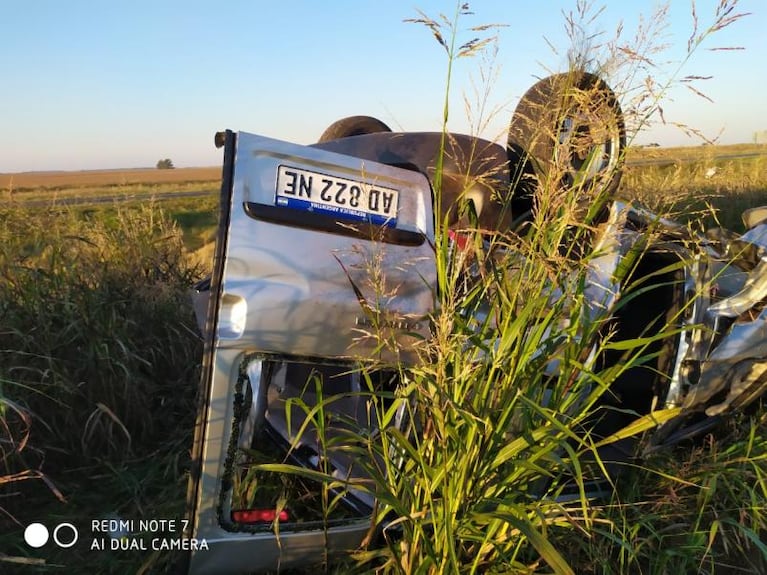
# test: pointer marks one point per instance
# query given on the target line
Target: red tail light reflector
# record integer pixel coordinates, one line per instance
(258, 515)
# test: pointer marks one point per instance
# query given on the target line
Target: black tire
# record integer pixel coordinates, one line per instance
(353, 126)
(568, 130)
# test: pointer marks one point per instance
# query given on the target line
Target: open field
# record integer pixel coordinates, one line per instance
(713, 184)
(59, 180)
(678, 181)
(90, 181)
(105, 186)
(684, 181)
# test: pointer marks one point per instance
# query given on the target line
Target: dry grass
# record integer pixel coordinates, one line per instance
(712, 184)
(103, 186)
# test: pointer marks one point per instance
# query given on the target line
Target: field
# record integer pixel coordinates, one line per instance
(713, 184)
(704, 153)
(719, 182)
(99, 363)
(104, 179)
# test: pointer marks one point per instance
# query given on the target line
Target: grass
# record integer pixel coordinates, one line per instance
(699, 508)
(98, 339)
(103, 186)
(702, 183)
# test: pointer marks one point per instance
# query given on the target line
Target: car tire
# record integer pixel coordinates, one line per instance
(568, 131)
(353, 126)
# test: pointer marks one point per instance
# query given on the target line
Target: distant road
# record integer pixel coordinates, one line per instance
(671, 161)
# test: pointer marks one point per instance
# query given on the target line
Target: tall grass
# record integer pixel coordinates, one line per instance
(79, 299)
(699, 508)
(98, 359)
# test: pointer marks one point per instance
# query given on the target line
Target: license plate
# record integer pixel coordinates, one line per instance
(346, 199)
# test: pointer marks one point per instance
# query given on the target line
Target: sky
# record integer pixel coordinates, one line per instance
(90, 84)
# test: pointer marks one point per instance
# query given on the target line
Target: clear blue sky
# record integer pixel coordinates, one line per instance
(123, 83)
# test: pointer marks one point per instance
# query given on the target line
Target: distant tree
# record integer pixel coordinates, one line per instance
(165, 164)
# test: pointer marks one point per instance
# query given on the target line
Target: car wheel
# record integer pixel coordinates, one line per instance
(568, 130)
(353, 126)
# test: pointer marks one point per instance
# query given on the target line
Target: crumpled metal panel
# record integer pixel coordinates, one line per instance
(732, 365)
(753, 292)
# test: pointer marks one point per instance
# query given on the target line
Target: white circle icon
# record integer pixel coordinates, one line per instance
(67, 543)
(36, 535)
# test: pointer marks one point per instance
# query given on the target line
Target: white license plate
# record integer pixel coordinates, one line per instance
(346, 199)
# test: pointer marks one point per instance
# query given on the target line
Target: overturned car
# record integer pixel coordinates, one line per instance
(302, 229)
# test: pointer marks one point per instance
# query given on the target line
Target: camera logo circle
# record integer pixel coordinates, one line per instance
(36, 535)
(63, 541)
(65, 535)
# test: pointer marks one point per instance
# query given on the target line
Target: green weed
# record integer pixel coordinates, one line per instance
(98, 359)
